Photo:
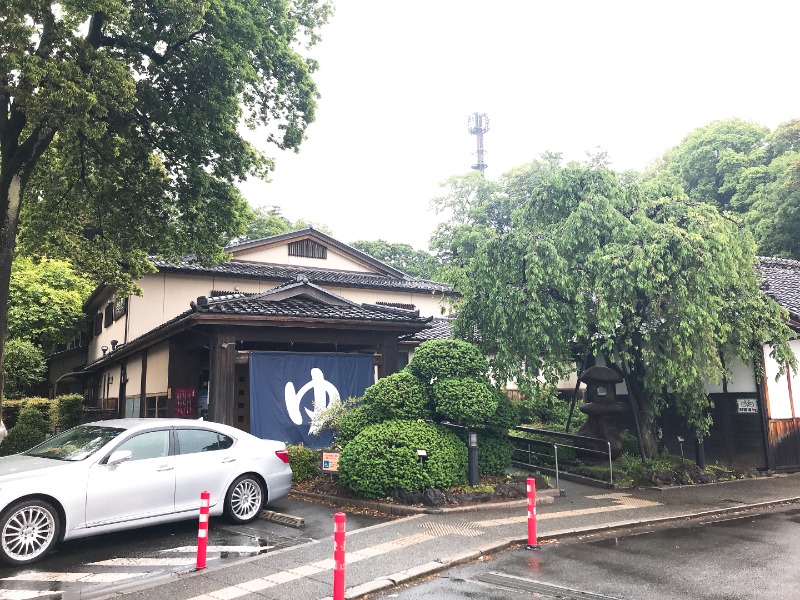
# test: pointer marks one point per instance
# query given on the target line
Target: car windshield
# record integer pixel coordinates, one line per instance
(75, 444)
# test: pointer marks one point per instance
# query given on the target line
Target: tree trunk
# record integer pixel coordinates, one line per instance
(16, 165)
(11, 187)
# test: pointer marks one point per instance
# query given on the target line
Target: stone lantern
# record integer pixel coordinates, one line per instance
(601, 408)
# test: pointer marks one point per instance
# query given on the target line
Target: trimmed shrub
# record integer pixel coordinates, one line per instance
(66, 411)
(304, 462)
(382, 459)
(31, 429)
(399, 396)
(11, 410)
(469, 402)
(505, 417)
(494, 454)
(353, 421)
(443, 359)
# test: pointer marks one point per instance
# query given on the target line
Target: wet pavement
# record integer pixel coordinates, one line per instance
(96, 566)
(381, 557)
(750, 556)
(384, 555)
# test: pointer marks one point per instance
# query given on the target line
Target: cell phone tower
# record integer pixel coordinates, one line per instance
(478, 124)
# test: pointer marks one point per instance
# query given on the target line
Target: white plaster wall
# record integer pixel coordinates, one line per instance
(110, 390)
(777, 390)
(158, 369)
(134, 386)
(115, 331)
(279, 255)
(740, 380)
(429, 305)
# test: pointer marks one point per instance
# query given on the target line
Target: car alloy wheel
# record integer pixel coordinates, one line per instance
(28, 531)
(245, 499)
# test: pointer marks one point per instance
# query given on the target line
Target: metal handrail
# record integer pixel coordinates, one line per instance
(556, 446)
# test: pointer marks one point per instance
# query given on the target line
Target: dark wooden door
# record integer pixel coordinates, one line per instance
(241, 399)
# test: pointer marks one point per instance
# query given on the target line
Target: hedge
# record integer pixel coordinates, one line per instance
(304, 462)
(383, 459)
(353, 421)
(441, 359)
(494, 453)
(469, 402)
(31, 429)
(399, 396)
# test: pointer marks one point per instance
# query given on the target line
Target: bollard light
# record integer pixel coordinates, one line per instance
(472, 459)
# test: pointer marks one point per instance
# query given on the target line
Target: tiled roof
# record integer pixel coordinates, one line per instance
(261, 305)
(250, 270)
(782, 282)
(440, 329)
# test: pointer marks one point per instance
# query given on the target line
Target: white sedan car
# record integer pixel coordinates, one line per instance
(126, 473)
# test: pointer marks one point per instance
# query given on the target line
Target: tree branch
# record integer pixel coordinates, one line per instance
(98, 39)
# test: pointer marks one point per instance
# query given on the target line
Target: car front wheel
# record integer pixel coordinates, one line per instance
(244, 499)
(28, 530)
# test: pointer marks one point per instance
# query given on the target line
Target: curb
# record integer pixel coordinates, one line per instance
(401, 510)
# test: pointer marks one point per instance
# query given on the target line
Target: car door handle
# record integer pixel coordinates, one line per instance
(165, 468)
(229, 459)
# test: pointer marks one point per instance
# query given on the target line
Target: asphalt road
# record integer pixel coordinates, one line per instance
(743, 558)
(95, 566)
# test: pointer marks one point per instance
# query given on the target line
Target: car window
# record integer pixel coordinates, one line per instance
(75, 444)
(151, 444)
(201, 440)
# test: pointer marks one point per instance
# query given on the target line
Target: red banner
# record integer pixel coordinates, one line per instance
(185, 402)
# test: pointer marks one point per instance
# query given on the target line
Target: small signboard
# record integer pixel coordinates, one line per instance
(747, 405)
(330, 462)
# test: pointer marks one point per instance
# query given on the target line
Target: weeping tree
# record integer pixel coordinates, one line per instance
(120, 124)
(663, 288)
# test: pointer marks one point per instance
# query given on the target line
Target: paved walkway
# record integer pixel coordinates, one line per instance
(398, 551)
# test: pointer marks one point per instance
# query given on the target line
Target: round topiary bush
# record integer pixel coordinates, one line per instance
(383, 459)
(468, 402)
(31, 429)
(494, 453)
(441, 359)
(354, 420)
(304, 462)
(399, 396)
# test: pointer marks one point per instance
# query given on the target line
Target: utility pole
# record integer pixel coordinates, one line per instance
(478, 124)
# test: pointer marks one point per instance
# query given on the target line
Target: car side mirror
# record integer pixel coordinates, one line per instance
(119, 456)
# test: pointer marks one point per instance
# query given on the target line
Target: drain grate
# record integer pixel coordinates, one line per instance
(548, 590)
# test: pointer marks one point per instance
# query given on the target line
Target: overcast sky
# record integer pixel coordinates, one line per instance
(399, 80)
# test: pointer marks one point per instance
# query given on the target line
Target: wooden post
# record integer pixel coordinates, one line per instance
(223, 377)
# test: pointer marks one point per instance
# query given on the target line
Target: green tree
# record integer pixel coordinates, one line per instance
(742, 167)
(709, 160)
(663, 288)
(45, 301)
(120, 124)
(24, 366)
(267, 221)
(404, 257)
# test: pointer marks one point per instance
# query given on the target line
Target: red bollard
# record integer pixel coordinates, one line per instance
(202, 533)
(338, 556)
(532, 542)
